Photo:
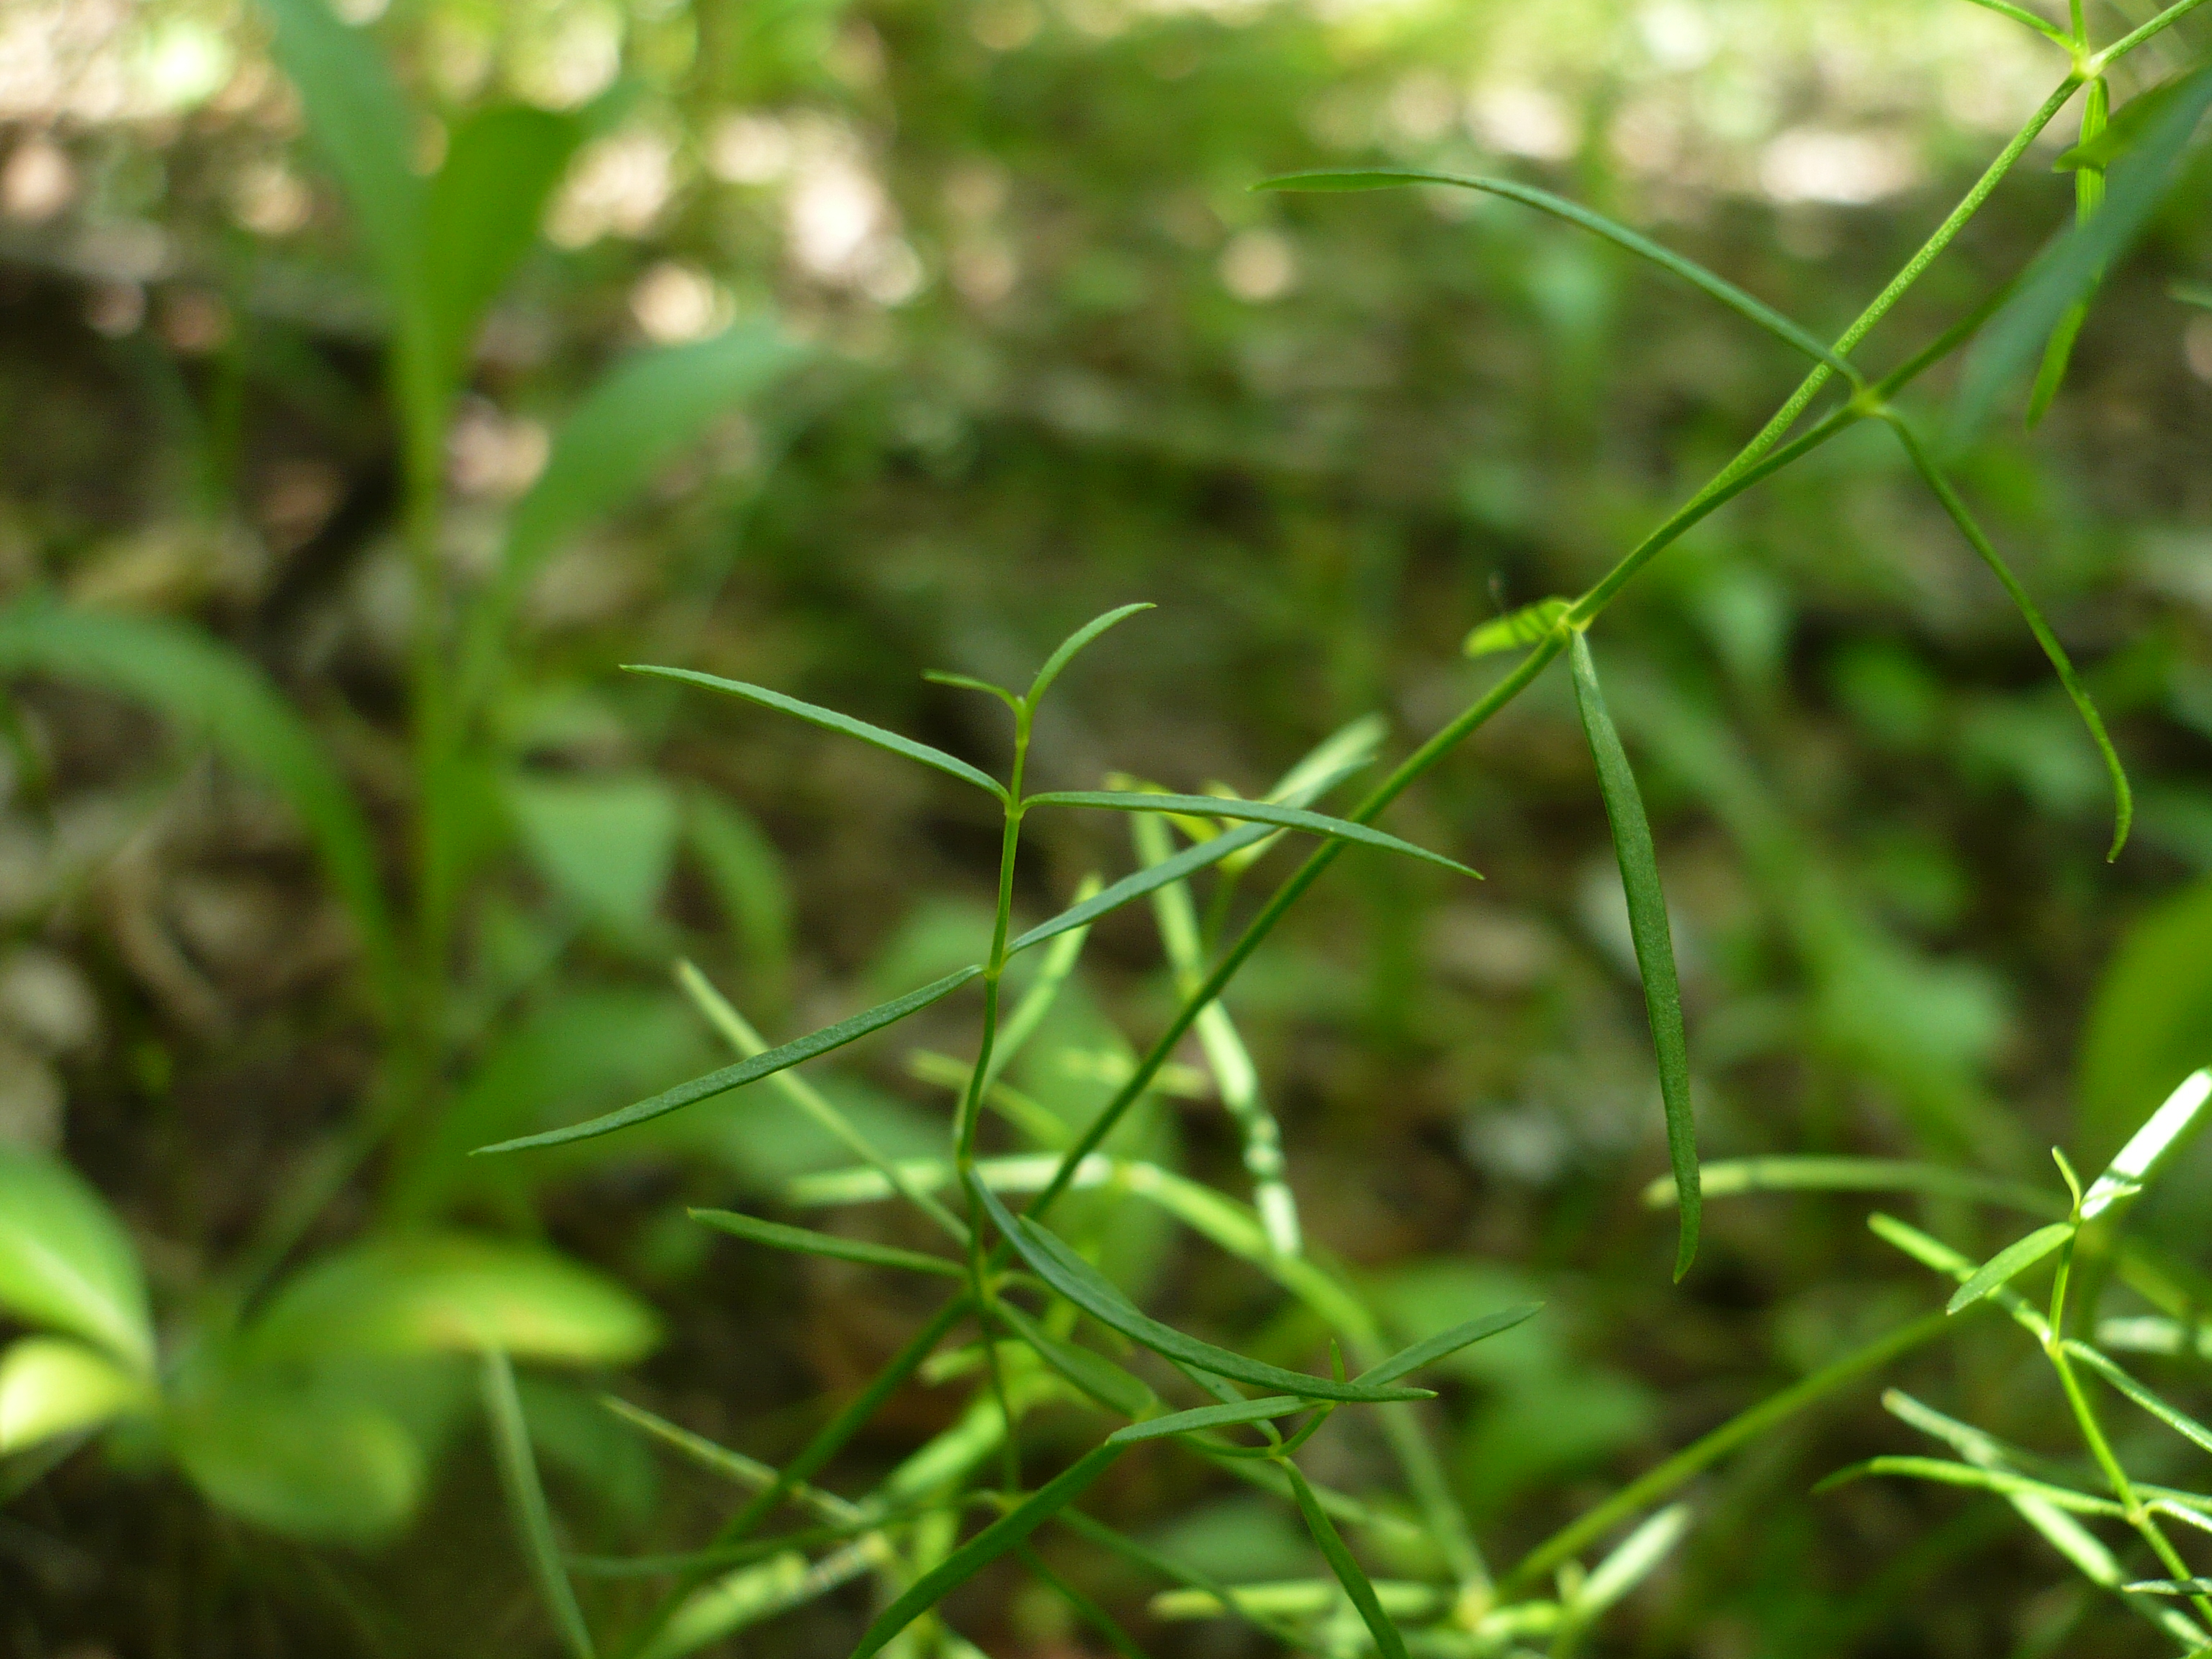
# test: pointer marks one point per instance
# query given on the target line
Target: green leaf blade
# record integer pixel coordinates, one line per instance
(1516, 630)
(979, 1552)
(1756, 312)
(66, 1261)
(1130, 888)
(527, 1505)
(2136, 1162)
(1652, 936)
(830, 721)
(805, 1241)
(1082, 1285)
(1209, 1416)
(2007, 1264)
(1251, 812)
(1065, 652)
(747, 1071)
(1387, 1642)
(1460, 1336)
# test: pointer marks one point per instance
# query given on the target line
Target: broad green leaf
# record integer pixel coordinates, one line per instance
(1082, 1285)
(1632, 1562)
(645, 409)
(366, 133)
(830, 720)
(526, 1503)
(221, 698)
(1654, 940)
(1225, 1415)
(1187, 862)
(1093, 1374)
(979, 1552)
(51, 1386)
(2071, 268)
(2007, 1264)
(2123, 806)
(1730, 1178)
(1253, 811)
(449, 1293)
(806, 1242)
(747, 1071)
(1516, 630)
(2150, 1022)
(1753, 311)
(310, 1461)
(2132, 1169)
(1444, 1343)
(606, 843)
(2173, 1416)
(1387, 1642)
(1065, 653)
(65, 1260)
(746, 872)
(481, 215)
(2000, 1481)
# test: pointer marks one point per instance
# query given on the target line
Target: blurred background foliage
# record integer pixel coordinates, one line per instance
(1056, 356)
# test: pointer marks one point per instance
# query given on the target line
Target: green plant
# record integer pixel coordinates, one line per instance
(1021, 1359)
(276, 1401)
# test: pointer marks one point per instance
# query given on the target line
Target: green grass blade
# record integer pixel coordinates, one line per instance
(1934, 1254)
(1074, 642)
(2175, 1419)
(1082, 1285)
(808, 1242)
(2169, 1587)
(979, 1552)
(2007, 1264)
(2137, 1161)
(1630, 1564)
(1210, 1417)
(1095, 1374)
(1387, 1642)
(1732, 1177)
(2000, 1481)
(1756, 312)
(2021, 16)
(1516, 630)
(734, 1466)
(525, 1500)
(2124, 804)
(1132, 887)
(745, 1071)
(1448, 1342)
(830, 721)
(1654, 940)
(222, 698)
(1250, 811)
(2071, 268)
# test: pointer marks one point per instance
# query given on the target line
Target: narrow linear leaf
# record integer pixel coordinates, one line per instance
(745, 1071)
(1448, 1342)
(2175, 1419)
(734, 1466)
(1756, 312)
(1517, 630)
(2124, 804)
(2007, 1264)
(985, 1547)
(1731, 1177)
(830, 721)
(2169, 1587)
(1064, 654)
(1209, 1416)
(1082, 1285)
(1387, 1642)
(1632, 1562)
(2131, 1169)
(1187, 862)
(1253, 811)
(2021, 14)
(1116, 1389)
(525, 1498)
(1653, 939)
(806, 1242)
(2070, 269)
(2000, 1481)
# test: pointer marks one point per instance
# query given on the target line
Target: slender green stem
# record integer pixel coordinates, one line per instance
(2098, 61)
(1648, 1488)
